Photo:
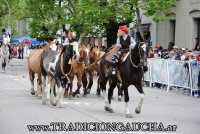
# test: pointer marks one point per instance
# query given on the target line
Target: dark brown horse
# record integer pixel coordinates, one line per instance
(92, 65)
(131, 72)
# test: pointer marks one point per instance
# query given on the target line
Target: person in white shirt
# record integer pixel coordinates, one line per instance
(124, 42)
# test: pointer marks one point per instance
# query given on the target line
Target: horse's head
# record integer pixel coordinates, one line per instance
(95, 53)
(51, 45)
(144, 48)
(84, 53)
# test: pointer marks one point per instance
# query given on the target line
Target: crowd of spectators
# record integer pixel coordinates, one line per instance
(174, 53)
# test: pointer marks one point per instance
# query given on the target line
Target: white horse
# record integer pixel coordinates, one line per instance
(5, 52)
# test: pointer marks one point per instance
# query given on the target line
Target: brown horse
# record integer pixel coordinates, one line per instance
(78, 66)
(95, 55)
(34, 67)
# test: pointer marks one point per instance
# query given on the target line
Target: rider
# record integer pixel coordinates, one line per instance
(1, 36)
(4, 35)
(124, 42)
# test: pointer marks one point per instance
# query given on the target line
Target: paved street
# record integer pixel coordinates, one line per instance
(18, 108)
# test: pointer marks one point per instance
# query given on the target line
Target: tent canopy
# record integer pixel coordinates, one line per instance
(33, 42)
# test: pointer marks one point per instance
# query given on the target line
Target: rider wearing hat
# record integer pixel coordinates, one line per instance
(1, 36)
(124, 42)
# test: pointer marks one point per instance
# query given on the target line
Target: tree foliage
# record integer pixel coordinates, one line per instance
(88, 17)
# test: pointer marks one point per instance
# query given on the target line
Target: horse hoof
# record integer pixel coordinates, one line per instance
(99, 95)
(62, 106)
(88, 91)
(129, 116)
(119, 98)
(111, 110)
(106, 108)
(54, 103)
(73, 94)
(78, 95)
(137, 111)
(33, 93)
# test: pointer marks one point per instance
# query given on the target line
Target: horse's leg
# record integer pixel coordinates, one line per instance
(43, 89)
(79, 83)
(84, 81)
(3, 65)
(5, 61)
(126, 99)
(31, 77)
(62, 91)
(66, 90)
(110, 94)
(39, 85)
(119, 92)
(48, 87)
(103, 82)
(71, 86)
(91, 75)
(140, 90)
(58, 91)
(52, 91)
(98, 88)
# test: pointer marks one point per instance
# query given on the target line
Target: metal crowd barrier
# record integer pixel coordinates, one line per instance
(172, 73)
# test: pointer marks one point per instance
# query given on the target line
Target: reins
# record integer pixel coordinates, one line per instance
(62, 69)
(136, 66)
(95, 62)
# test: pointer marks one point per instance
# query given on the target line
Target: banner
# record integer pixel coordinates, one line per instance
(173, 73)
(158, 68)
(194, 75)
(178, 73)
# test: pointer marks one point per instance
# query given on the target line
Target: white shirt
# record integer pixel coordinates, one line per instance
(133, 43)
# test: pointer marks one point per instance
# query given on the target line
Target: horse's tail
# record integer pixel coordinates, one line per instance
(43, 72)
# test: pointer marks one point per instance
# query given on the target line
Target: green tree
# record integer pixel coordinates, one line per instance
(94, 17)
(87, 17)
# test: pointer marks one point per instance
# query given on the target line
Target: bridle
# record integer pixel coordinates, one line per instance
(66, 75)
(141, 61)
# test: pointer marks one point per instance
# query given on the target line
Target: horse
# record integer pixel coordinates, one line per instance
(4, 53)
(131, 72)
(78, 66)
(56, 65)
(34, 67)
(95, 55)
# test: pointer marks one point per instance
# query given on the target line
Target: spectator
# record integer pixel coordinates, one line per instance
(182, 54)
(165, 54)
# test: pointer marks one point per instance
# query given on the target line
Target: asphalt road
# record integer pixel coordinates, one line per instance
(18, 108)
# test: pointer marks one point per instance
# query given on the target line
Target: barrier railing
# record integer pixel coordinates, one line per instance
(172, 73)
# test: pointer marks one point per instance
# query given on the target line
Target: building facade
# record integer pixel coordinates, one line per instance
(182, 30)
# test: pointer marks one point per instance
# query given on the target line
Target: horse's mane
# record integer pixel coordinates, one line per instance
(136, 46)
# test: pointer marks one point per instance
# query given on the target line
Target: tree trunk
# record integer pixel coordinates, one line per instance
(139, 23)
(111, 31)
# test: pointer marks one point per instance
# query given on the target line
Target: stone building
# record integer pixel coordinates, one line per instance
(182, 30)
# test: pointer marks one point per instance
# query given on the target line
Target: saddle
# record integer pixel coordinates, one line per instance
(112, 52)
